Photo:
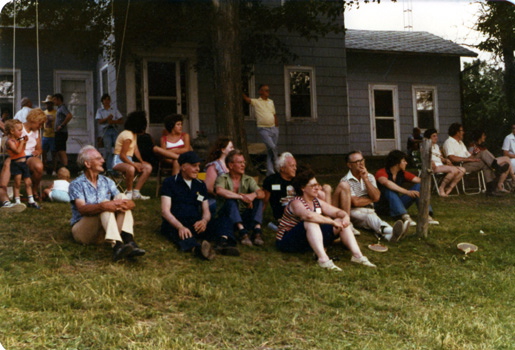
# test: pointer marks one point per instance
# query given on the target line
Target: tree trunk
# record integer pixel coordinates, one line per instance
(509, 76)
(227, 73)
(425, 189)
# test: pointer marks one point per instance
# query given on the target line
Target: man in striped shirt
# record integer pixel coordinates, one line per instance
(364, 193)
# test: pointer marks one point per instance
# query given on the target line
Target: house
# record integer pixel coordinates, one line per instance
(364, 91)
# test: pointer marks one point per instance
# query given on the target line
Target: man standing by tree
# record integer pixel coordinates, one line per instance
(62, 118)
(267, 123)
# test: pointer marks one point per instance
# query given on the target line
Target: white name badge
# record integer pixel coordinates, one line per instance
(200, 198)
(276, 187)
(318, 210)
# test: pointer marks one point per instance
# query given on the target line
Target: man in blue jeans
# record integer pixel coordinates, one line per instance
(395, 199)
(267, 123)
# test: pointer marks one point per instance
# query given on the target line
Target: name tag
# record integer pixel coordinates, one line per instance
(276, 187)
(318, 210)
(200, 198)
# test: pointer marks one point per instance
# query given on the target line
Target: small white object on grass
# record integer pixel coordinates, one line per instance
(481, 232)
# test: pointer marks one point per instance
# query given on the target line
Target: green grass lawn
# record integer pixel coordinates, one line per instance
(57, 294)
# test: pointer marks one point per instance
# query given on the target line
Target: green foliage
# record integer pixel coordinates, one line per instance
(484, 102)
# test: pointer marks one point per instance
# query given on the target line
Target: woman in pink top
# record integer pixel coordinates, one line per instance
(175, 140)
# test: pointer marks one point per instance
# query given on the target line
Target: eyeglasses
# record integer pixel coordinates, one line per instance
(359, 161)
(313, 185)
(240, 162)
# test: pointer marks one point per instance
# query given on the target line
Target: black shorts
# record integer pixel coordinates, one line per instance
(18, 168)
(60, 141)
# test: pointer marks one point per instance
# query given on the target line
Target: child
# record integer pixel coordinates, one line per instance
(58, 191)
(15, 146)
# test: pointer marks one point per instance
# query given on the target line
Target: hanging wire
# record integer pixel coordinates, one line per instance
(14, 57)
(123, 40)
(37, 51)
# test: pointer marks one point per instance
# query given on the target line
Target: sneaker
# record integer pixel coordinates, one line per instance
(13, 207)
(258, 240)
(128, 194)
(400, 228)
(329, 264)
(363, 261)
(408, 218)
(432, 221)
(354, 231)
(245, 240)
(139, 196)
(207, 251)
(34, 205)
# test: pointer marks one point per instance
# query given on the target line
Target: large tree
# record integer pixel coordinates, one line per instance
(497, 22)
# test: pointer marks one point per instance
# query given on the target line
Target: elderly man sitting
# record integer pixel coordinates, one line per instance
(99, 212)
(364, 193)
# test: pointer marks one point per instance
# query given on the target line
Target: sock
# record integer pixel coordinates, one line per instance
(388, 236)
(127, 237)
(17, 200)
(135, 192)
(31, 199)
(387, 230)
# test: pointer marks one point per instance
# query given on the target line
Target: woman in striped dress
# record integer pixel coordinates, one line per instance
(310, 223)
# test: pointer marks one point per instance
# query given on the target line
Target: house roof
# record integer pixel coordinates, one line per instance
(402, 42)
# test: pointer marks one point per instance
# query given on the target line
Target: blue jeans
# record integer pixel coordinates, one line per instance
(109, 137)
(395, 204)
(230, 215)
(270, 137)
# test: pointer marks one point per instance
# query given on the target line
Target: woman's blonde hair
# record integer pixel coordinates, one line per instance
(36, 115)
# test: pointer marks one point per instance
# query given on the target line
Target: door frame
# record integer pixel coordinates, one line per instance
(395, 97)
(72, 145)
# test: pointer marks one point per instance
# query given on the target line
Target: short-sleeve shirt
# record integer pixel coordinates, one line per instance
(82, 188)
(402, 176)
(247, 185)
(103, 113)
(358, 187)
(265, 112)
(62, 112)
(509, 144)
(453, 147)
(186, 201)
(436, 154)
(48, 130)
(281, 193)
(32, 141)
(125, 135)
(21, 115)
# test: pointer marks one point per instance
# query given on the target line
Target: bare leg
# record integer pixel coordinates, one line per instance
(316, 240)
(147, 170)
(325, 193)
(349, 241)
(342, 196)
(36, 170)
(129, 172)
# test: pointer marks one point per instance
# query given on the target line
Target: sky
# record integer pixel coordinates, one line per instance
(450, 19)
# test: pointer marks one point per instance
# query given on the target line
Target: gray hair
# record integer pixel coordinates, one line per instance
(281, 160)
(84, 156)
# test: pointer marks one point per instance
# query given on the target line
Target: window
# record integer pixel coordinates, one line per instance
(248, 84)
(300, 92)
(425, 107)
(9, 91)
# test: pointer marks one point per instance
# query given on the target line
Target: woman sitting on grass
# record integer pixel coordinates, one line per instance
(126, 146)
(309, 223)
(176, 140)
(215, 166)
(440, 164)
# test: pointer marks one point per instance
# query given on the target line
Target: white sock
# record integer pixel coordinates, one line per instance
(387, 230)
(388, 236)
(17, 200)
(31, 199)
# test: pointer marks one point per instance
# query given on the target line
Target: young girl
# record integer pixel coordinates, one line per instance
(16, 149)
(58, 191)
(175, 140)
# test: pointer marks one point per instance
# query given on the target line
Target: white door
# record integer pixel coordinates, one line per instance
(77, 90)
(384, 118)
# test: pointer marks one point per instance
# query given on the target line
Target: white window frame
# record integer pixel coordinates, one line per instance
(376, 144)
(313, 97)
(105, 69)
(17, 89)
(414, 90)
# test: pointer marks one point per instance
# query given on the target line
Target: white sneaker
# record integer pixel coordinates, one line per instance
(13, 207)
(354, 231)
(139, 196)
(432, 221)
(363, 261)
(329, 264)
(406, 217)
(128, 194)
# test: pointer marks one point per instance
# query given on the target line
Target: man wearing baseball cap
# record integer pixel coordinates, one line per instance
(185, 209)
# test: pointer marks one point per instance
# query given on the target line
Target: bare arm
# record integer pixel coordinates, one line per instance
(65, 122)
(116, 205)
(508, 154)
(456, 159)
(396, 188)
(306, 215)
(166, 205)
(16, 149)
(201, 225)
(227, 194)
(211, 176)
(246, 98)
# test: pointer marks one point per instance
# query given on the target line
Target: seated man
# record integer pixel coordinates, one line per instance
(455, 150)
(508, 146)
(239, 201)
(278, 189)
(395, 199)
(185, 209)
(99, 212)
(364, 194)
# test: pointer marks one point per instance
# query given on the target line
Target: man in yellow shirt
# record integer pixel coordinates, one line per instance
(267, 124)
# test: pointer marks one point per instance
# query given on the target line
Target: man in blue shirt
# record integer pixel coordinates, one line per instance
(100, 212)
(62, 118)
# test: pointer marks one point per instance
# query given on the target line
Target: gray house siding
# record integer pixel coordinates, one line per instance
(403, 71)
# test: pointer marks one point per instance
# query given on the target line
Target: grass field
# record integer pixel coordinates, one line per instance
(56, 294)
